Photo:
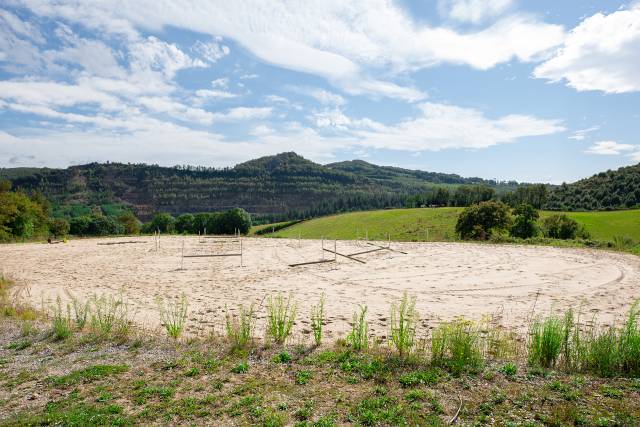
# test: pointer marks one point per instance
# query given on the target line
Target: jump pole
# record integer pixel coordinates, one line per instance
(241, 253)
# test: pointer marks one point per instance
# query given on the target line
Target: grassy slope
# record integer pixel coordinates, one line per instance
(142, 381)
(412, 224)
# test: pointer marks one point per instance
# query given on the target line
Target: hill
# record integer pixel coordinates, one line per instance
(619, 189)
(438, 224)
(276, 187)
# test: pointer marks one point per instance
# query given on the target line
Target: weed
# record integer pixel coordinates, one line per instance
(282, 357)
(110, 315)
(509, 369)
(303, 377)
(281, 315)
(358, 338)
(317, 320)
(457, 346)
(415, 395)
(546, 338)
(240, 368)
(414, 378)
(404, 320)
(80, 312)
(19, 345)
(61, 322)
(173, 315)
(239, 329)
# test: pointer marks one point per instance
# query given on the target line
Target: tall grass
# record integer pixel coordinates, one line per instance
(239, 329)
(81, 311)
(457, 345)
(281, 316)
(110, 316)
(61, 321)
(404, 320)
(358, 338)
(317, 320)
(173, 315)
(546, 338)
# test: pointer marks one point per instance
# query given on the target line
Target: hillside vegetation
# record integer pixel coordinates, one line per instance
(437, 224)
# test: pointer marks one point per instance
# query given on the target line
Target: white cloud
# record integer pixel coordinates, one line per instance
(211, 52)
(602, 53)
(442, 127)
(341, 41)
(581, 134)
(152, 54)
(474, 11)
(610, 148)
(243, 113)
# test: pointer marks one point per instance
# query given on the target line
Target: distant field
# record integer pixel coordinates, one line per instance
(435, 224)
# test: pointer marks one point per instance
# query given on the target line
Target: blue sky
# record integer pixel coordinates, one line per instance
(507, 89)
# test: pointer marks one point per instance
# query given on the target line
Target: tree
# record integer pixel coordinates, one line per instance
(525, 223)
(79, 226)
(104, 226)
(185, 223)
(235, 219)
(129, 222)
(59, 227)
(479, 221)
(560, 226)
(20, 215)
(163, 222)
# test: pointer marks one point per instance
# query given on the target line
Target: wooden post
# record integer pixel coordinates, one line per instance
(241, 253)
(182, 258)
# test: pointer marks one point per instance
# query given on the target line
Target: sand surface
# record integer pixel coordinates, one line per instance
(448, 279)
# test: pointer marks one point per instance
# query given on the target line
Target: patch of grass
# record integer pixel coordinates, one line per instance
(509, 369)
(76, 414)
(317, 320)
(110, 316)
(546, 338)
(358, 338)
(88, 374)
(282, 357)
(404, 320)
(19, 345)
(61, 322)
(457, 346)
(240, 368)
(416, 378)
(303, 377)
(281, 316)
(239, 329)
(379, 410)
(173, 315)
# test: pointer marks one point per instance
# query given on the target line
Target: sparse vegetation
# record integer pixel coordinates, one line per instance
(317, 320)
(239, 328)
(173, 315)
(358, 338)
(281, 316)
(404, 321)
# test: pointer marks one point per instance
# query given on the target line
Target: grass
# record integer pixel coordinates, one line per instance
(173, 315)
(358, 338)
(404, 320)
(89, 374)
(281, 315)
(239, 329)
(438, 224)
(317, 320)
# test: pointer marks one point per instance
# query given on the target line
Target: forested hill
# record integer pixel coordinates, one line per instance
(269, 186)
(619, 189)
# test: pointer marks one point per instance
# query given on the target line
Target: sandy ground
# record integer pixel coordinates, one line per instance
(448, 279)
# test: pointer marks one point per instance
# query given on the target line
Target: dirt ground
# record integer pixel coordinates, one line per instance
(508, 282)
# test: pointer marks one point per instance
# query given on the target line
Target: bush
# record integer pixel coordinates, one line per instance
(404, 319)
(457, 345)
(281, 315)
(104, 226)
(185, 223)
(59, 227)
(479, 221)
(164, 222)
(235, 219)
(130, 223)
(560, 226)
(239, 329)
(525, 224)
(359, 335)
(79, 226)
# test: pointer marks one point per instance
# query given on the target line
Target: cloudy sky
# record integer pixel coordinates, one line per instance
(540, 90)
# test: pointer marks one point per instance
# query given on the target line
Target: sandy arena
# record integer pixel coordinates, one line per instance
(449, 279)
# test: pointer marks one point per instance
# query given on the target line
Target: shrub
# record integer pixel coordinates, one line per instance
(59, 227)
(80, 312)
(358, 338)
(560, 226)
(479, 221)
(235, 219)
(525, 222)
(281, 315)
(317, 320)
(129, 222)
(404, 320)
(173, 315)
(110, 315)
(185, 223)
(239, 329)
(164, 222)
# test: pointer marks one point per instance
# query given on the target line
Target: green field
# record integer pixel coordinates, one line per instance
(437, 224)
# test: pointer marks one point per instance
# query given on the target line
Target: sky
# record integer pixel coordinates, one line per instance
(536, 91)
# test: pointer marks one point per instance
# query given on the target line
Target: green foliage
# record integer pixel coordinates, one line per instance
(59, 227)
(95, 225)
(130, 224)
(282, 357)
(61, 321)
(525, 222)
(358, 338)
(404, 321)
(163, 222)
(21, 216)
(416, 378)
(510, 369)
(281, 315)
(239, 329)
(185, 224)
(560, 226)
(535, 195)
(479, 221)
(546, 339)
(110, 316)
(317, 320)
(457, 346)
(240, 368)
(86, 375)
(173, 315)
